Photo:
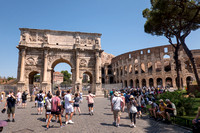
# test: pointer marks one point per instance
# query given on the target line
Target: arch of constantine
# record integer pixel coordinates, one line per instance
(150, 67)
(41, 50)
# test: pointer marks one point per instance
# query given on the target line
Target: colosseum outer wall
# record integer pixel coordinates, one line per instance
(153, 67)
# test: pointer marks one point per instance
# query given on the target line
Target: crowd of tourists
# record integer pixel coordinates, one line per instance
(136, 100)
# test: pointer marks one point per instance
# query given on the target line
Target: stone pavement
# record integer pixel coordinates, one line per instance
(27, 121)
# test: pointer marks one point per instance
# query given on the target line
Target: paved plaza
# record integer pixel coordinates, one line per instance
(28, 121)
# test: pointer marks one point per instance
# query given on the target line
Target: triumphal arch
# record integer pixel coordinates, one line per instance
(41, 50)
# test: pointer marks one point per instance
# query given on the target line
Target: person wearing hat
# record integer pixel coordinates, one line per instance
(170, 110)
(133, 111)
(116, 108)
(161, 111)
(154, 108)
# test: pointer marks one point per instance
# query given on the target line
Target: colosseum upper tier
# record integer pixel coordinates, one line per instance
(150, 67)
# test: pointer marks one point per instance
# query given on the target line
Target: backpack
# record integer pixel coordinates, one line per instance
(24, 96)
(40, 98)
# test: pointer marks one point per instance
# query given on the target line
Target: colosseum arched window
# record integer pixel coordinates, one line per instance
(143, 83)
(158, 66)
(136, 68)
(169, 82)
(167, 63)
(130, 69)
(142, 68)
(131, 83)
(151, 82)
(125, 70)
(150, 67)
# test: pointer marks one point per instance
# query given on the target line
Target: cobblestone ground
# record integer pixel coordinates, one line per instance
(28, 121)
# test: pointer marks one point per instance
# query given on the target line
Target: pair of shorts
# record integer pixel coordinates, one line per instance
(23, 101)
(40, 105)
(90, 105)
(11, 110)
(69, 110)
(116, 113)
(139, 108)
(55, 113)
(18, 99)
(48, 112)
(76, 105)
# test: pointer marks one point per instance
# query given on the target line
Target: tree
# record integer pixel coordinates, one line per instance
(66, 77)
(174, 19)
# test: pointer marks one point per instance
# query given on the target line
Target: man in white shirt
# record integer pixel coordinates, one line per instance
(19, 97)
(69, 107)
(117, 104)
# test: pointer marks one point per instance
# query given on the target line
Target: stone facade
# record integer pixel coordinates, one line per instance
(57, 78)
(152, 67)
(41, 50)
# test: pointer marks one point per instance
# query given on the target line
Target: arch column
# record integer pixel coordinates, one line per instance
(45, 84)
(77, 80)
(21, 83)
(155, 82)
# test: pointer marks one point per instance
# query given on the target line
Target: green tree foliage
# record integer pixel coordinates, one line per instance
(183, 104)
(174, 19)
(66, 77)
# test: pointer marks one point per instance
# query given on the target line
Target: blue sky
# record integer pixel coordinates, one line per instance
(120, 22)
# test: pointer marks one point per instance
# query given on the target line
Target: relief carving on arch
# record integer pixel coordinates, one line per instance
(83, 63)
(30, 61)
(32, 37)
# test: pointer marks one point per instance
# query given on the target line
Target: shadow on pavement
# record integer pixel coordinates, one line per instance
(41, 119)
(107, 114)
(34, 113)
(108, 124)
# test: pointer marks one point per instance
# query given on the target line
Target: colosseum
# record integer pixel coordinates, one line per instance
(150, 67)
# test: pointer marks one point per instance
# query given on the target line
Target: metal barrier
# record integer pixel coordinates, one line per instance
(182, 121)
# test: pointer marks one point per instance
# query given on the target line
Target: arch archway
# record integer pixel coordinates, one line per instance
(87, 82)
(34, 80)
(131, 83)
(143, 82)
(169, 82)
(61, 75)
(151, 84)
(137, 83)
(159, 82)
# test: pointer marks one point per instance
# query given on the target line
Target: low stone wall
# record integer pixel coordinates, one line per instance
(111, 86)
(7, 88)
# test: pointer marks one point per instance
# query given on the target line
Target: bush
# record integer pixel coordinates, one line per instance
(183, 104)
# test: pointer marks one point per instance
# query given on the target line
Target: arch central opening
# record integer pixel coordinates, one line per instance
(61, 75)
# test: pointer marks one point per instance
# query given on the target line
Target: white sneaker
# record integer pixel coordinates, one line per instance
(134, 125)
(71, 122)
(66, 122)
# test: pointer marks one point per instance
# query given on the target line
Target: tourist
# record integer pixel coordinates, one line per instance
(196, 122)
(123, 103)
(36, 99)
(48, 106)
(62, 103)
(116, 108)
(154, 108)
(1, 97)
(19, 96)
(111, 94)
(81, 96)
(170, 110)
(76, 104)
(161, 111)
(55, 109)
(127, 100)
(69, 108)
(24, 98)
(10, 103)
(90, 99)
(133, 111)
(40, 98)
(139, 99)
